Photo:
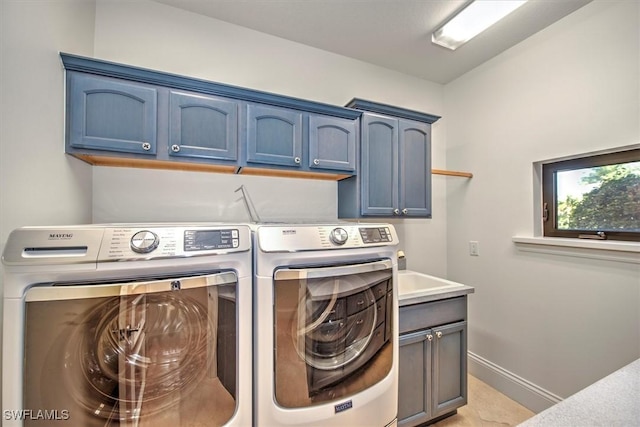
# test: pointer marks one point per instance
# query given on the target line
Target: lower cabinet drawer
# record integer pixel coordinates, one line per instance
(429, 314)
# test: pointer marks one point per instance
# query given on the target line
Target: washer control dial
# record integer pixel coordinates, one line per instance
(339, 236)
(144, 242)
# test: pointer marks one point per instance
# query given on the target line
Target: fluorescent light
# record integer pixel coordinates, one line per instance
(472, 20)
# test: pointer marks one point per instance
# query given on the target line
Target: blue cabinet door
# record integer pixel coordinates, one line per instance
(332, 143)
(274, 136)
(414, 377)
(379, 166)
(394, 176)
(396, 167)
(203, 126)
(415, 169)
(108, 114)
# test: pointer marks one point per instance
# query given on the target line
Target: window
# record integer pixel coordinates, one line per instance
(595, 197)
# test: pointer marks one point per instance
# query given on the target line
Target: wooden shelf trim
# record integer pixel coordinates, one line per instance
(451, 173)
(203, 167)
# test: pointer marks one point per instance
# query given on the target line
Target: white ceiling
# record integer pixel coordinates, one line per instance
(394, 34)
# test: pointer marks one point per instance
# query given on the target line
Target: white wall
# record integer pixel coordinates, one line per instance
(152, 35)
(39, 185)
(557, 322)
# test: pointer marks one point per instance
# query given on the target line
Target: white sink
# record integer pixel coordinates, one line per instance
(410, 282)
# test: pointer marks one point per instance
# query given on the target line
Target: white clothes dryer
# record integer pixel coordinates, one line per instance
(325, 325)
(127, 324)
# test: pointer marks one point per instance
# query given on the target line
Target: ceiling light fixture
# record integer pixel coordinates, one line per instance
(473, 19)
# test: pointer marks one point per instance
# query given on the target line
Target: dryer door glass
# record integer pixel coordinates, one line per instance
(150, 353)
(332, 330)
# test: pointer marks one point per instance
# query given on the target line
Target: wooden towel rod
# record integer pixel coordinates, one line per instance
(451, 173)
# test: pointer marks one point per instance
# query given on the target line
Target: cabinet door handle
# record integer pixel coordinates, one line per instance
(429, 337)
(146, 146)
(439, 334)
(405, 211)
(316, 162)
(396, 211)
(296, 160)
(175, 148)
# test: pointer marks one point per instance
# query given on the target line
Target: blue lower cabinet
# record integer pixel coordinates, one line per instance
(274, 136)
(111, 115)
(432, 361)
(202, 126)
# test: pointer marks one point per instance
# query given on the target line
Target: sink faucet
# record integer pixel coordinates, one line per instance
(402, 261)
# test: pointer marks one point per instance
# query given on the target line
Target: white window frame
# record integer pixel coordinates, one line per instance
(612, 250)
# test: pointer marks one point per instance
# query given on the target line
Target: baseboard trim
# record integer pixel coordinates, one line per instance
(517, 388)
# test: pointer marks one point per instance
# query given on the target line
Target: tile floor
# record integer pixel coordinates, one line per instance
(486, 407)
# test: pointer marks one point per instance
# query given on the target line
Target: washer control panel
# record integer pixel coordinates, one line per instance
(129, 243)
(88, 244)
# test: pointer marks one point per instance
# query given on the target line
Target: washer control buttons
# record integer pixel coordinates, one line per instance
(209, 240)
(376, 235)
(144, 242)
(339, 236)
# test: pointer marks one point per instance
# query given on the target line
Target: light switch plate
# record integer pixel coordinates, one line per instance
(474, 248)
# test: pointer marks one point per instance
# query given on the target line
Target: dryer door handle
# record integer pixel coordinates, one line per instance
(335, 271)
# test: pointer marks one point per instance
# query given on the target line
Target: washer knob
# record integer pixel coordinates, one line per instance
(339, 236)
(144, 242)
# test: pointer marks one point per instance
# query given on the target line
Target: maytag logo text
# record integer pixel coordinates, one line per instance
(60, 236)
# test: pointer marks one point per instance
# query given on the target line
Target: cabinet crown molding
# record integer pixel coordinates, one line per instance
(142, 75)
(390, 110)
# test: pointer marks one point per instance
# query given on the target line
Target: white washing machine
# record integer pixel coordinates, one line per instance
(325, 325)
(128, 324)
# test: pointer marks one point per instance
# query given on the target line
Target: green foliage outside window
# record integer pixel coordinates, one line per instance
(612, 203)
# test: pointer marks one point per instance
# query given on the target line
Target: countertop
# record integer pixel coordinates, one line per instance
(612, 401)
(449, 289)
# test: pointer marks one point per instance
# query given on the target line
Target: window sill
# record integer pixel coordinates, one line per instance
(609, 250)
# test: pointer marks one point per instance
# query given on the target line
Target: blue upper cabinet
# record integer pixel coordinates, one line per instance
(379, 169)
(274, 136)
(111, 115)
(300, 140)
(121, 115)
(203, 126)
(414, 171)
(394, 179)
(332, 143)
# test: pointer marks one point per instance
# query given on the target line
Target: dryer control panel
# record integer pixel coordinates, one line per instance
(301, 237)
